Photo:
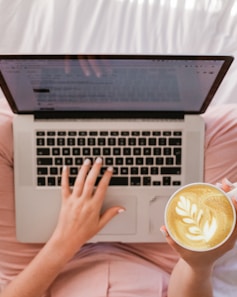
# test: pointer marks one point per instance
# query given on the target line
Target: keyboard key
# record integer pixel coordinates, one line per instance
(50, 141)
(106, 151)
(75, 151)
(147, 151)
(40, 133)
(144, 170)
(122, 141)
(58, 161)
(146, 133)
(51, 181)
(152, 141)
(146, 181)
(170, 170)
(96, 151)
(166, 181)
(127, 151)
(44, 161)
(71, 141)
(53, 170)
(66, 151)
(119, 181)
(62, 133)
(91, 141)
(82, 133)
(149, 161)
(61, 141)
(129, 161)
(169, 161)
(134, 170)
(176, 183)
(124, 170)
(162, 141)
(142, 141)
(86, 151)
(135, 181)
(137, 151)
(132, 141)
(56, 151)
(157, 151)
(43, 152)
(73, 171)
(41, 181)
(114, 133)
(40, 142)
(154, 170)
(139, 161)
(175, 141)
(108, 161)
(116, 151)
(68, 161)
(42, 170)
(112, 141)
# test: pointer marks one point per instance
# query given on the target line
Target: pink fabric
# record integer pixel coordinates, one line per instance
(110, 269)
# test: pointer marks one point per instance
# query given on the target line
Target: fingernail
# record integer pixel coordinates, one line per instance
(227, 182)
(219, 185)
(64, 168)
(164, 232)
(98, 160)
(121, 210)
(87, 162)
(110, 168)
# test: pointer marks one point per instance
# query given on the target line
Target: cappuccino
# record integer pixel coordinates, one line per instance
(200, 217)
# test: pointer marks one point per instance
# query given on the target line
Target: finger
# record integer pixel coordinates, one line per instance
(81, 177)
(67, 67)
(109, 214)
(84, 65)
(226, 185)
(103, 186)
(91, 178)
(169, 240)
(96, 69)
(65, 189)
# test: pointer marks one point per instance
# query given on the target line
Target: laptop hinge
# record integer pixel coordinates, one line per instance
(108, 115)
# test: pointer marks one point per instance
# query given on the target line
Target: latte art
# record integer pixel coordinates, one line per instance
(201, 228)
(199, 217)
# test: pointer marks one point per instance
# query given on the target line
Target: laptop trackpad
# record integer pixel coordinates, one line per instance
(125, 222)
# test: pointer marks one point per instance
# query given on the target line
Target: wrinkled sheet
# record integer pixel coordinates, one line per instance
(130, 26)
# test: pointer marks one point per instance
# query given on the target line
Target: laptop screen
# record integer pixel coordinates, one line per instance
(111, 83)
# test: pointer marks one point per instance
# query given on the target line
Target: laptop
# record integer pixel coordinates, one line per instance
(140, 113)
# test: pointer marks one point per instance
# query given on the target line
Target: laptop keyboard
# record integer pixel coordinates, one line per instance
(139, 158)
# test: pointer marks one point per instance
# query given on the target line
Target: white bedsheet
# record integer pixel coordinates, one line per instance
(130, 26)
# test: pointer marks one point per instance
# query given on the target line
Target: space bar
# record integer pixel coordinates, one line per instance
(119, 181)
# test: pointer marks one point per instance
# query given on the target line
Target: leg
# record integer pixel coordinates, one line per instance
(221, 162)
(221, 143)
(14, 256)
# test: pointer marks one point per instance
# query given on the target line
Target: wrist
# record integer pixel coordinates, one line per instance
(61, 249)
(199, 269)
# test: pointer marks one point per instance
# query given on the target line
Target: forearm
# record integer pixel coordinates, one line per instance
(39, 274)
(188, 282)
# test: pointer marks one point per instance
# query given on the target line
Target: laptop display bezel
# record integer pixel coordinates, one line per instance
(119, 114)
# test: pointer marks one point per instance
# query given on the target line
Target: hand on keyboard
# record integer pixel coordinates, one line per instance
(80, 216)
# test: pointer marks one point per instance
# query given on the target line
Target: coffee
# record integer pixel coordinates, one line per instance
(200, 217)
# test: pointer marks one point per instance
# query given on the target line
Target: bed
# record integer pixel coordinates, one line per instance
(130, 26)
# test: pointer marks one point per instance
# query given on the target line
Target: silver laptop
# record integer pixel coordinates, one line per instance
(140, 113)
